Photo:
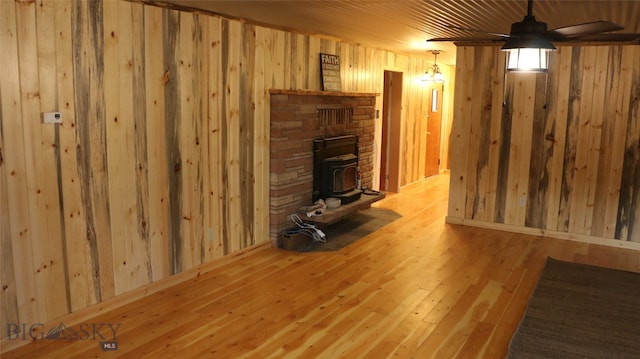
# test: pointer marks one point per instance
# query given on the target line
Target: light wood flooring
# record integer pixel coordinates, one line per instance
(417, 288)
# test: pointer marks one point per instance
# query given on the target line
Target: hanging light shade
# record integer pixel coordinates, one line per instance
(528, 60)
(528, 55)
(528, 48)
(433, 74)
(437, 75)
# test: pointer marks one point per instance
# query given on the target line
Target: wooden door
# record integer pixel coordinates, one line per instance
(391, 119)
(434, 126)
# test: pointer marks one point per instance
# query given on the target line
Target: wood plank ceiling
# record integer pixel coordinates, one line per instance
(404, 25)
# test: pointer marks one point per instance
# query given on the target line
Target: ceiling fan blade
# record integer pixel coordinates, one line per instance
(619, 37)
(480, 31)
(596, 27)
(466, 39)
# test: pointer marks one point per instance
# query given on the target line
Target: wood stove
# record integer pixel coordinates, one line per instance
(335, 168)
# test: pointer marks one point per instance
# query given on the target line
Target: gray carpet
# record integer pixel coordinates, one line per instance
(347, 231)
(580, 311)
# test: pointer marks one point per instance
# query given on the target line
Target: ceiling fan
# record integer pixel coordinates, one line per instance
(530, 32)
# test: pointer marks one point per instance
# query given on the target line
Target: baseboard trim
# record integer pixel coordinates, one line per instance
(543, 233)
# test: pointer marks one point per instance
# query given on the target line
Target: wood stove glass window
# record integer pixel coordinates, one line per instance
(335, 168)
(342, 172)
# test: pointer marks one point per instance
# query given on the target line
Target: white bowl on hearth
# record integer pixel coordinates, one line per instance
(333, 203)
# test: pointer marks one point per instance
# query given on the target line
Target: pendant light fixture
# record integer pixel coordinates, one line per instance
(527, 47)
(433, 74)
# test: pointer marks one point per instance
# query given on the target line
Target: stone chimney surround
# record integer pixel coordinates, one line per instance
(297, 118)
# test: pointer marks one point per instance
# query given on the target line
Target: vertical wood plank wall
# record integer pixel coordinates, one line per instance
(557, 152)
(162, 160)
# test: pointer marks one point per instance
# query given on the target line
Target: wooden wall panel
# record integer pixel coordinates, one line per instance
(141, 248)
(609, 176)
(172, 155)
(459, 134)
(90, 252)
(51, 268)
(162, 160)
(156, 76)
(542, 151)
(75, 219)
(628, 220)
(495, 140)
(72, 221)
(261, 107)
(120, 155)
(520, 148)
(568, 157)
(480, 148)
(312, 63)
(544, 204)
(12, 186)
(213, 181)
(570, 150)
(8, 296)
(34, 171)
(588, 139)
(247, 134)
(189, 128)
(278, 59)
(232, 104)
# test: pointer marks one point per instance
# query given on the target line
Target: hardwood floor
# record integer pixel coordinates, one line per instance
(417, 288)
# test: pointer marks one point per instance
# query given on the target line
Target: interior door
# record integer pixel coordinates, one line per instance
(434, 128)
(391, 119)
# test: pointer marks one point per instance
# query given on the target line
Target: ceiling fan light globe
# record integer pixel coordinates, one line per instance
(528, 60)
(528, 53)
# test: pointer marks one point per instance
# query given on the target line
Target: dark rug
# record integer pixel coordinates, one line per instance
(346, 231)
(580, 311)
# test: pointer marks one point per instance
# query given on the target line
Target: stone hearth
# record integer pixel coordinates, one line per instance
(298, 118)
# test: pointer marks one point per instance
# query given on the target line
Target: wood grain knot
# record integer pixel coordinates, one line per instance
(166, 77)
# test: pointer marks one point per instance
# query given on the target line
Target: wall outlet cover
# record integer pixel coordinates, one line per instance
(52, 117)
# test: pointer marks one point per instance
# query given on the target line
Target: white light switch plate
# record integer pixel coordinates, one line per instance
(52, 117)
